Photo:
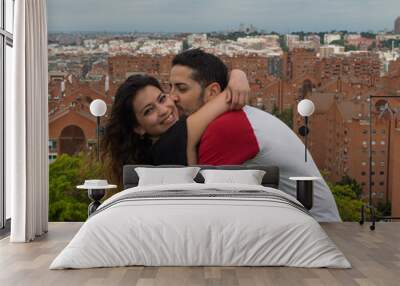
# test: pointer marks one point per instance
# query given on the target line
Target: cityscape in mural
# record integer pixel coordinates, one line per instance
(337, 70)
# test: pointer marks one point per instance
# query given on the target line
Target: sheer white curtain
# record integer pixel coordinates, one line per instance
(27, 124)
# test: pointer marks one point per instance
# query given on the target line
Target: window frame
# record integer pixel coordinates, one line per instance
(6, 39)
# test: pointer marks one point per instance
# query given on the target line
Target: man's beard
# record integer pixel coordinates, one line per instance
(187, 112)
(181, 111)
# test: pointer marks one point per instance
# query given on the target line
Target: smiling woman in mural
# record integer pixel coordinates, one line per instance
(145, 126)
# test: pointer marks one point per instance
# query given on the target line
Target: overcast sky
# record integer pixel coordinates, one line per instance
(216, 15)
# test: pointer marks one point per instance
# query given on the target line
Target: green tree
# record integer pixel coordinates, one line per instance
(348, 204)
(321, 37)
(185, 45)
(282, 43)
(350, 48)
(301, 35)
(286, 115)
(368, 35)
(337, 42)
(354, 185)
(66, 203)
(384, 208)
(347, 194)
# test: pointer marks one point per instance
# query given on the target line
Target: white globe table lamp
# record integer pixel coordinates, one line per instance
(305, 108)
(98, 108)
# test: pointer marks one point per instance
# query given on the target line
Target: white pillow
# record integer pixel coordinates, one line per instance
(248, 177)
(164, 176)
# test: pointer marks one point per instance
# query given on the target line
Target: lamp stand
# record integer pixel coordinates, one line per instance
(98, 137)
(303, 131)
(305, 138)
(95, 195)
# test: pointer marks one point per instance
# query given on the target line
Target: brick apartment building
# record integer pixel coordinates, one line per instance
(394, 179)
(339, 141)
(340, 86)
(120, 67)
(72, 128)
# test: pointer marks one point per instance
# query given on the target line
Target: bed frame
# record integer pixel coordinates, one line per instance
(270, 179)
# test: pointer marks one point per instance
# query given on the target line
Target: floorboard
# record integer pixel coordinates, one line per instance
(374, 255)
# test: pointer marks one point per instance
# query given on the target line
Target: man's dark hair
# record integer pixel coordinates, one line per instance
(206, 67)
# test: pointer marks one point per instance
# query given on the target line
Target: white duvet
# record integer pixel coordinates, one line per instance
(200, 231)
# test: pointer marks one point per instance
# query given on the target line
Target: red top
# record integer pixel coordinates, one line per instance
(228, 140)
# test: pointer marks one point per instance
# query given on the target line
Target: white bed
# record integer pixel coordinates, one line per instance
(250, 226)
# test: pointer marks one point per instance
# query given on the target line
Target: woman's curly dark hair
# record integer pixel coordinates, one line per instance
(120, 144)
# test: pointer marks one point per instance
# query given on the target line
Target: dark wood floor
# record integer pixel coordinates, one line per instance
(375, 256)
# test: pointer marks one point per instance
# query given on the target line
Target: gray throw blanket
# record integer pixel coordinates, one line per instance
(206, 194)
